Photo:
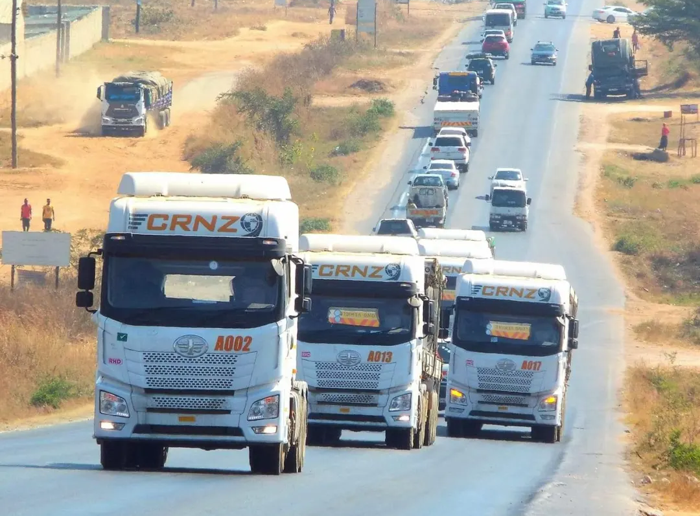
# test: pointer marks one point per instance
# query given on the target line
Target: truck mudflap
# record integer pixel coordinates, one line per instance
(299, 409)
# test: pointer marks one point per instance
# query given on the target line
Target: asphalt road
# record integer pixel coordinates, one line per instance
(530, 122)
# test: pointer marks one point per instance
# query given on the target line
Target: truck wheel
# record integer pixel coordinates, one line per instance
(431, 432)
(168, 117)
(454, 427)
(471, 428)
(419, 436)
(104, 131)
(113, 455)
(400, 438)
(266, 459)
(507, 56)
(493, 81)
(545, 434)
(152, 456)
(294, 461)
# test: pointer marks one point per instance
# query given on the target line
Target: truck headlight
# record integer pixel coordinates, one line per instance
(112, 405)
(138, 120)
(549, 402)
(266, 408)
(106, 119)
(402, 402)
(495, 216)
(458, 397)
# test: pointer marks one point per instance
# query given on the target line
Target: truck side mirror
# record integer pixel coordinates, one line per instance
(590, 67)
(573, 329)
(86, 273)
(428, 329)
(84, 299)
(443, 333)
(99, 92)
(429, 312)
(529, 201)
(303, 280)
(410, 182)
(147, 98)
(487, 197)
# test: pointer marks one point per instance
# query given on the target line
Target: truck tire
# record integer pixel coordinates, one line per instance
(454, 427)
(162, 122)
(471, 428)
(296, 454)
(152, 456)
(545, 434)
(400, 438)
(493, 81)
(431, 431)
(104, 131)
(419, 435)
(112, 456)
(266, 459)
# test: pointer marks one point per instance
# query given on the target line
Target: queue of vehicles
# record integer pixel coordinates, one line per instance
(220, 327)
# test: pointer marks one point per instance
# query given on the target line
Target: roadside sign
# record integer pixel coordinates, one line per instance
(36, 248)
(405, 2)
(689, 109)
(281, 3)
(367, 16)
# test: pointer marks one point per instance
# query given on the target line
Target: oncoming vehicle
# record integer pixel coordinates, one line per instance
(447, 169)
(510, 208)
(508, 7)
(396, 227)
(496, 46)
(509, 177)
(500, 19)
(544, 52)
(200, 294)
(555, 9)
(484, 66)
(513, 334)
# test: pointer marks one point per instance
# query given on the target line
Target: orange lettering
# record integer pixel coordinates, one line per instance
(246, 343)
(209, 224)
(370, 358)
(238, 344)
(230, 221)
(228, 344)
(325, 270)
(359, 271)
(180, 221)
(530, 293)
(376, 272)
(502, 291)
(516, 292)
(487, 290)
(219, 344)
(151, 222)
(342, 270)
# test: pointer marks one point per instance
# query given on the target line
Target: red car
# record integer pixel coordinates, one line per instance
(496, 46)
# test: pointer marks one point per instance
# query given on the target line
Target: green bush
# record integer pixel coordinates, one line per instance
(325, 174)
(221, 159)
(695, 179)
(683, 456)
(627, 245)
(314, 224)
(627, 181)
(151, 17)
(362, 124)
(346, 147)
(52, 391)
(382, 107)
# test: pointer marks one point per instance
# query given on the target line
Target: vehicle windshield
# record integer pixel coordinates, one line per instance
(497, 20)
(125, 93)
(544, 47)
(441, 166)
(341, 319)
(555, 2)
(507, 175)
(428, 181)
(449, 141)
(479, 64)
(507, 334)
(451, 82)
(394, 227)
(494, 39)
(508, 199)
(191, 293)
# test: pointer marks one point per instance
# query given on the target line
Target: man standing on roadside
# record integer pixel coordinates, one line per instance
(616, 33)
(48, 215)
(332, 12)
(635, 40)
(665, 131)
(25, 215)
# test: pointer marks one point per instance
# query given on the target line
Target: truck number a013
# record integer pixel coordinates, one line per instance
(380, 356)
(530, 365)
(237, 344)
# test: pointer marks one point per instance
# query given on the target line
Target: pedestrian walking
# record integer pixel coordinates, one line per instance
(48, 215)
(589, 85)
(331, 12)
(665, 131)
(25, 215)
(635, 40)
(616, 33)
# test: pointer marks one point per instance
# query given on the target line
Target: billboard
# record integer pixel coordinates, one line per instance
(281, 3)
(36, 248)
(366, 16)
(689, 109)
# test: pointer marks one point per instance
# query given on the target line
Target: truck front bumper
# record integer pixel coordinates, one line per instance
(507, 221)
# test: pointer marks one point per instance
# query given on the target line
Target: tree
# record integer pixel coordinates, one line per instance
(671, 22)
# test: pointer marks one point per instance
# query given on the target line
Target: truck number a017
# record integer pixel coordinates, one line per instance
(237, 344)
(530, 365)
(380, 356)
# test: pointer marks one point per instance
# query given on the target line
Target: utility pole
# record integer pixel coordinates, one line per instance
(13, 78)
(59, 29)
(137, 23)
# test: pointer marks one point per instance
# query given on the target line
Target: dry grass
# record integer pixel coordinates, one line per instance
(26, 158)
(664, 414)
(178, 20)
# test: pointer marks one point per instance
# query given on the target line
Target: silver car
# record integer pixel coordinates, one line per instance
(447, 169)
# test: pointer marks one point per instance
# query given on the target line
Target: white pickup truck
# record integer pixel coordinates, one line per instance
(457, 114)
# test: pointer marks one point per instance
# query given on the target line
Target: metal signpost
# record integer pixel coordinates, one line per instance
(35, 248)
(367, 18)
(687, 109)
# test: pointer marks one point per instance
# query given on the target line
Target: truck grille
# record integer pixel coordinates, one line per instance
(511, 381)
(187, 403)
(496, 399)
(341, 398)
(332, 375)
(172, 371)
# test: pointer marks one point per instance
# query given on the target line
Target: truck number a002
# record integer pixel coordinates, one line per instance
(380, 356)
(237, 344)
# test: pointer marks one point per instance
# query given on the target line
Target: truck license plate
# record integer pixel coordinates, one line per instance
(502, 408)
(344, 410)
(187, 419)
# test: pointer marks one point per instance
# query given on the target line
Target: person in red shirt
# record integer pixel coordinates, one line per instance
(635, 40)
(665, 131)
(26, 215)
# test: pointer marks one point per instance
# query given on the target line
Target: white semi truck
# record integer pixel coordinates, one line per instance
(513, 334)
(368, 347)
(197, 324)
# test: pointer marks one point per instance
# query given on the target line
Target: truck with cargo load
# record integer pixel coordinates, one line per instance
(615, 69)
(133, 101)
(201, 289)
(427, 201)
(368, 347)
(464, 114)
(514, 329)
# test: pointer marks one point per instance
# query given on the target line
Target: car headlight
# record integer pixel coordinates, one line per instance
(402, 402)
(112, 405)
(458, 397)
(549, 402)
(266, 408)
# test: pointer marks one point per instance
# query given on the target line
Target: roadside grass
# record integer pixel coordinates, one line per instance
(26, 158)
(682, 332)
(664, 416)
(168, 20)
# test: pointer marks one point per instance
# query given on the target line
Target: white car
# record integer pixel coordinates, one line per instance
(452, 148)
(614, 14)
(508, 7)
(447, 169)
(507, 177)
(456, 131)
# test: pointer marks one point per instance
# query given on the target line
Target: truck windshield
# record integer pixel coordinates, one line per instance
(122, 93)
(191, 293)
(357, 320)
(394, 227)
(508, 199)
(507, 334)
(478, 65)
(450, 83)
(497, 20)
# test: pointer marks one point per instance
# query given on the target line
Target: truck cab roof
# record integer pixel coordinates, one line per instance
(456, 248)
(515, 269)
(451, 234)
(396, 245)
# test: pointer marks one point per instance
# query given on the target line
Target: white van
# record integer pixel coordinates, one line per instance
(500, 19)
